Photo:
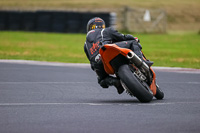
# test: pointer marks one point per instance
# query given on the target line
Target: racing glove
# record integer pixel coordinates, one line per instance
(137, 39)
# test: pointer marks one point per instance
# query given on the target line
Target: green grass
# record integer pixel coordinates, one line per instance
(179, 50)
(42, 46)
(174, 50)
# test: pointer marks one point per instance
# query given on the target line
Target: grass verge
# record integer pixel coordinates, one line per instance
(171, 50)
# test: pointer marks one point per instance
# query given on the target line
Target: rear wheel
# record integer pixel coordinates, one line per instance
(134, 85)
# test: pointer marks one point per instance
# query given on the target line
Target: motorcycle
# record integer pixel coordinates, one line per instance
(136, 77)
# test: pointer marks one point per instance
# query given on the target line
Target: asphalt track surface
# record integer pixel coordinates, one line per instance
(49, 98)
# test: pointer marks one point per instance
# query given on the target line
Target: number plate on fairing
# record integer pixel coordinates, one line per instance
(139, 75)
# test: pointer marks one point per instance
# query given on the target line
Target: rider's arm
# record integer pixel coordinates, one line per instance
(117, 37)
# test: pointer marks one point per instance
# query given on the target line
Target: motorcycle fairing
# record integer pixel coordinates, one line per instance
(109, 51)
(112, 50)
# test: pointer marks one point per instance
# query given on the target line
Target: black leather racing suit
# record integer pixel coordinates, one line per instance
(96, 38)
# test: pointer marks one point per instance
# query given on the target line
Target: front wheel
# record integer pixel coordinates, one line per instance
(134, 85)
(159, 93)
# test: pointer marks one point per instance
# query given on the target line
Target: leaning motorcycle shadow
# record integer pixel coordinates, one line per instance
(124, 101)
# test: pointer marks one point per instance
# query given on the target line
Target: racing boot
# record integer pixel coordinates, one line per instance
(148, 62)
(111, 81)
(137, 50)
(143, 58)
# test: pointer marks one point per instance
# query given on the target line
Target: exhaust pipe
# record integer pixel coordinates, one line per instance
(137, 61)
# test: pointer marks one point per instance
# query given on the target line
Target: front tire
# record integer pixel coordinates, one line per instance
(159, 94)
(134, 85)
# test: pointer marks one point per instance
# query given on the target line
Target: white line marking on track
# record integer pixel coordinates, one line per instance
(46, 82)
(95, 104)
(44, 63)
(44, 104)
(85, 65)
(179, 83)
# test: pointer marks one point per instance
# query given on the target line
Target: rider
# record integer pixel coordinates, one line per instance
(97, 36)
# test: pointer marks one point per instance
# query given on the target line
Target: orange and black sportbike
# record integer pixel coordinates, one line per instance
(136, 77)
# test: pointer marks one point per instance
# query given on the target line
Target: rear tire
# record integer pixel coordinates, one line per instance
(134, 85)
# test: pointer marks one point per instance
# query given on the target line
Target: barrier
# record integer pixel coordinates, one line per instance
(50, 21)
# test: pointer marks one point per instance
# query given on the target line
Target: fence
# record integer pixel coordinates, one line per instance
(50, 21)
(142, 20)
